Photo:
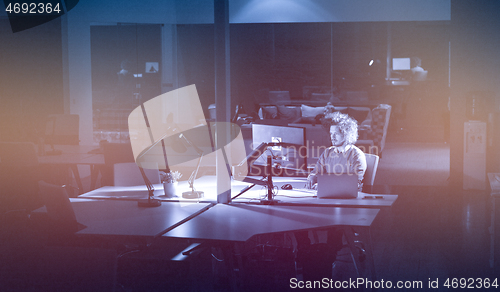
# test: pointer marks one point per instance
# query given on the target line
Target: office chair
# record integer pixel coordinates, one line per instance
(128, 174)
(420, 76)
(371, 171)
(63, 129)
(19, 175)
(113, 153)
(368, 182)
(66, 260)
(58, 206)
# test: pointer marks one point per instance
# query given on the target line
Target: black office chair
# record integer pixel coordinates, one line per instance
(62, 261)
(114, 153)
(322, 250)
(19, 176)
(371, 170)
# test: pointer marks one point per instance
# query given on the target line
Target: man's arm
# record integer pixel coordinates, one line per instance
(360, 167)
(312, 178)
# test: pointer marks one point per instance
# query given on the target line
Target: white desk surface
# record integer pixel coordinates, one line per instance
(207, 184)
(299, 196)
(306, 197)
(126, 218)
(239, 222)
(494, 179)
(72, 154)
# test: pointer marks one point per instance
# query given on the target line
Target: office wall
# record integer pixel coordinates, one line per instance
(31, 79)
(77, 44)
(273, 11)
(194, 11)
(267, 11)
(289, 56)
(76, 30)
(475, 65)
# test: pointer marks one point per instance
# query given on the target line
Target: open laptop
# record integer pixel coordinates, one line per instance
(337, 186)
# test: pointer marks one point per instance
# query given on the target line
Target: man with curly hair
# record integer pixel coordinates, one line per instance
(342, 156)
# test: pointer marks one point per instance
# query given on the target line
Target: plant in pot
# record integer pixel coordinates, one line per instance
(169, 181)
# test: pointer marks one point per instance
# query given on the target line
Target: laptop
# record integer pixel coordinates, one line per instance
(337, 186)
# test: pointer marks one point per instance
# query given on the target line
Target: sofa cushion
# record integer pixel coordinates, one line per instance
(310, 111)
(342, 109)
(289, 114)
(269, 112)
(358, 114)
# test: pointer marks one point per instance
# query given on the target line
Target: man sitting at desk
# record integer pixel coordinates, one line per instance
(341, 157)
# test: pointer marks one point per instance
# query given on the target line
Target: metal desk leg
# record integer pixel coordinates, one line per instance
(233, 264)
(76, 174)
(365, 268)
(94, 173)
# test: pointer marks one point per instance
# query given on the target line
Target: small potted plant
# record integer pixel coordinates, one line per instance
(169, 181)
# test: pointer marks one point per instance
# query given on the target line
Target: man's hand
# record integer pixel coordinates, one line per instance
(310, 184)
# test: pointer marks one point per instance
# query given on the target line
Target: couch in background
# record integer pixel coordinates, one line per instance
(373, 137)
(372, 123)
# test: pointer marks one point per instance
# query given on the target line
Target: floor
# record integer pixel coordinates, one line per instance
(414, 164)
(431, 233)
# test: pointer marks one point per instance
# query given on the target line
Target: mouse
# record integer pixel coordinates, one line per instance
(286, 187)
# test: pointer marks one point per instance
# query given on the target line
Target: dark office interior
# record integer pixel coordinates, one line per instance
(438, 228)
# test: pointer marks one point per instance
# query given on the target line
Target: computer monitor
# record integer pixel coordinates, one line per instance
(401, 64)
(285, 157)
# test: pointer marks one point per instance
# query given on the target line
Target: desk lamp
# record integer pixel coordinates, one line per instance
(176, 143)
(151, 201)
(193, 194)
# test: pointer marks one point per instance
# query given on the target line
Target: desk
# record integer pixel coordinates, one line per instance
(71, 156)
(301, 197)
(124, 218)
(239, 222)
(206, 184)
(494, 179)
(305, 198)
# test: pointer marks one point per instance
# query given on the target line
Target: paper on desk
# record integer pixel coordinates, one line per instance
(302, 192)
